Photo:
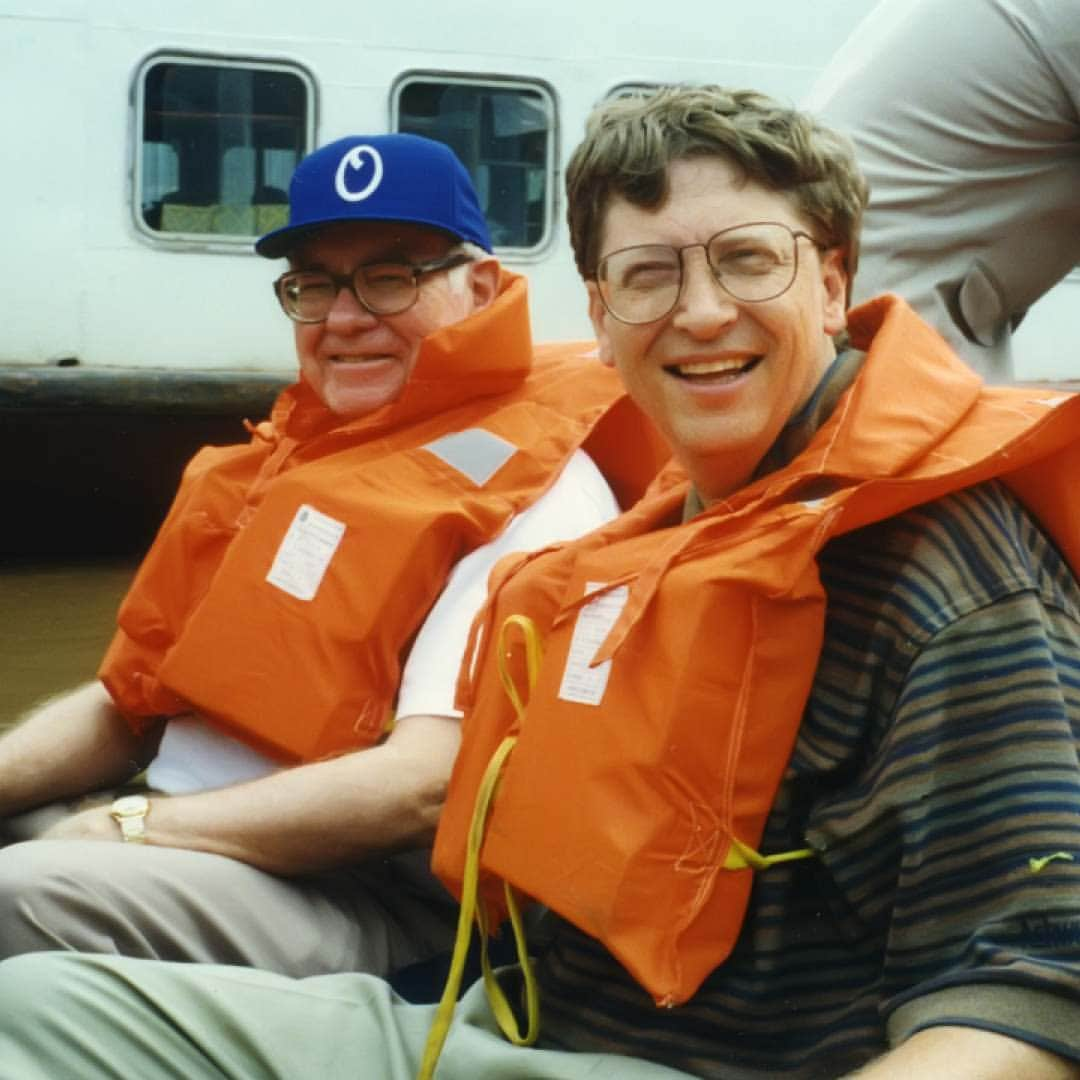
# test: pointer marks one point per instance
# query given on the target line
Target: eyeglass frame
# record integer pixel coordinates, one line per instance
(348, 282)
(795, 235)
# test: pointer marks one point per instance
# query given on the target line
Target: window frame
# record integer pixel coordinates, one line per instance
(548, 96)
(632, 87)
(223, 243)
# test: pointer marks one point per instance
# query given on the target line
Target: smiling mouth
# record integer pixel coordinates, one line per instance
(357, 359)
(714, 370)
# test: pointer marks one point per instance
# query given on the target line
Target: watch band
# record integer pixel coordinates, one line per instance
(129, 812)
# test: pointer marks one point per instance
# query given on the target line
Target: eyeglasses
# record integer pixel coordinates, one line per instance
(753, 262)
(384, 288)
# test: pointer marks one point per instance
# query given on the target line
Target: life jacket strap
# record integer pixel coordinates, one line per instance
(742, 856)
(472, 908)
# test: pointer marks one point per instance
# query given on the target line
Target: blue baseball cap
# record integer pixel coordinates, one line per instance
(393, 177)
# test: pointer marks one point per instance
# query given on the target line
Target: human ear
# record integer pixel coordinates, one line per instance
(834, 280)
(598, 318)
(483, 282)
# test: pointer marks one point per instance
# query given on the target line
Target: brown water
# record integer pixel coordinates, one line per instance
(56, 619)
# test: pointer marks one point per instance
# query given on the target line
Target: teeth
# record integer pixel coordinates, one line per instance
(711, 367)
(354, 359)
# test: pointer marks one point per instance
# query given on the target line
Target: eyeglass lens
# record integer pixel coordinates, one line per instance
(753, 262)
(383, 288)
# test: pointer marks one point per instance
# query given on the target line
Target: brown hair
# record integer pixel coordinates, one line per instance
(630, 142)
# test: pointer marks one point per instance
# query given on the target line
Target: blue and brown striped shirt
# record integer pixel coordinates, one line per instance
(936, 774)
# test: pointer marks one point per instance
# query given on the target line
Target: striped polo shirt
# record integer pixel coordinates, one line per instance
(936, 775)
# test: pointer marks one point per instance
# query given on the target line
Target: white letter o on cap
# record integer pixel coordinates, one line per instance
(354, 159)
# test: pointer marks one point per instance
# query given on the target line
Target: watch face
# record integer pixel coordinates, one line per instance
(130, 804)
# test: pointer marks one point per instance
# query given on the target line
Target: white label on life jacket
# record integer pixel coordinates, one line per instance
(580, 682)
(305, 553)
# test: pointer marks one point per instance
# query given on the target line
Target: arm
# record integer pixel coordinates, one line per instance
(910, 89)
(989, 935)
(311, 817)
(964, 1053)
(72, 744)
(957, 844)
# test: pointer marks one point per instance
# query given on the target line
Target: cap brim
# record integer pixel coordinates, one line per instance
(278, 244)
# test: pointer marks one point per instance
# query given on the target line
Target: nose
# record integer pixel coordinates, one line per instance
(704, 308)
(347, 313)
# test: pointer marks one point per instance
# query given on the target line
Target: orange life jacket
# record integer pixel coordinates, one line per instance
(678, 658)
(291, 574)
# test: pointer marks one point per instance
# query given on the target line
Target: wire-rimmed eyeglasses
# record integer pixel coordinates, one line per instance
(383, 288)
(753, 262)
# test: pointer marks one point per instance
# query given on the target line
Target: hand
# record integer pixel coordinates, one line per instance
(94, 823)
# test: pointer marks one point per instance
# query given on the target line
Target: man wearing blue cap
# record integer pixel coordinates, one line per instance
(285, 660)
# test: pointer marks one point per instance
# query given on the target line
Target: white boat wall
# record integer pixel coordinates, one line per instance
(147, 142)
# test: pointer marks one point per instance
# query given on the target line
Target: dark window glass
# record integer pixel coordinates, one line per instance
(503, 134)
(219, 144)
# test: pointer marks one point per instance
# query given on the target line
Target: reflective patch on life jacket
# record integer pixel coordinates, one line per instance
(475, 453)
(581, 682)
(305, 553)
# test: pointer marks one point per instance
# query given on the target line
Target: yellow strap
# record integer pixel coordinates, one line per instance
(471, 909)
(500, 1007)
(533, 656)
(742, 856)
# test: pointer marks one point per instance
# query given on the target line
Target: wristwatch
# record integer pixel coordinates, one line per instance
(129, 812)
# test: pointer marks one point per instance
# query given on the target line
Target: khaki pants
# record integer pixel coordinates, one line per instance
(108, 1018)
(172, 904)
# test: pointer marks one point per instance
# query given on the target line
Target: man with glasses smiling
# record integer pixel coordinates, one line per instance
(285, 660)
(797, 773)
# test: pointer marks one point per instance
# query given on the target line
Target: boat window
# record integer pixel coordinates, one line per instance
(218, 142)
(504, 133)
